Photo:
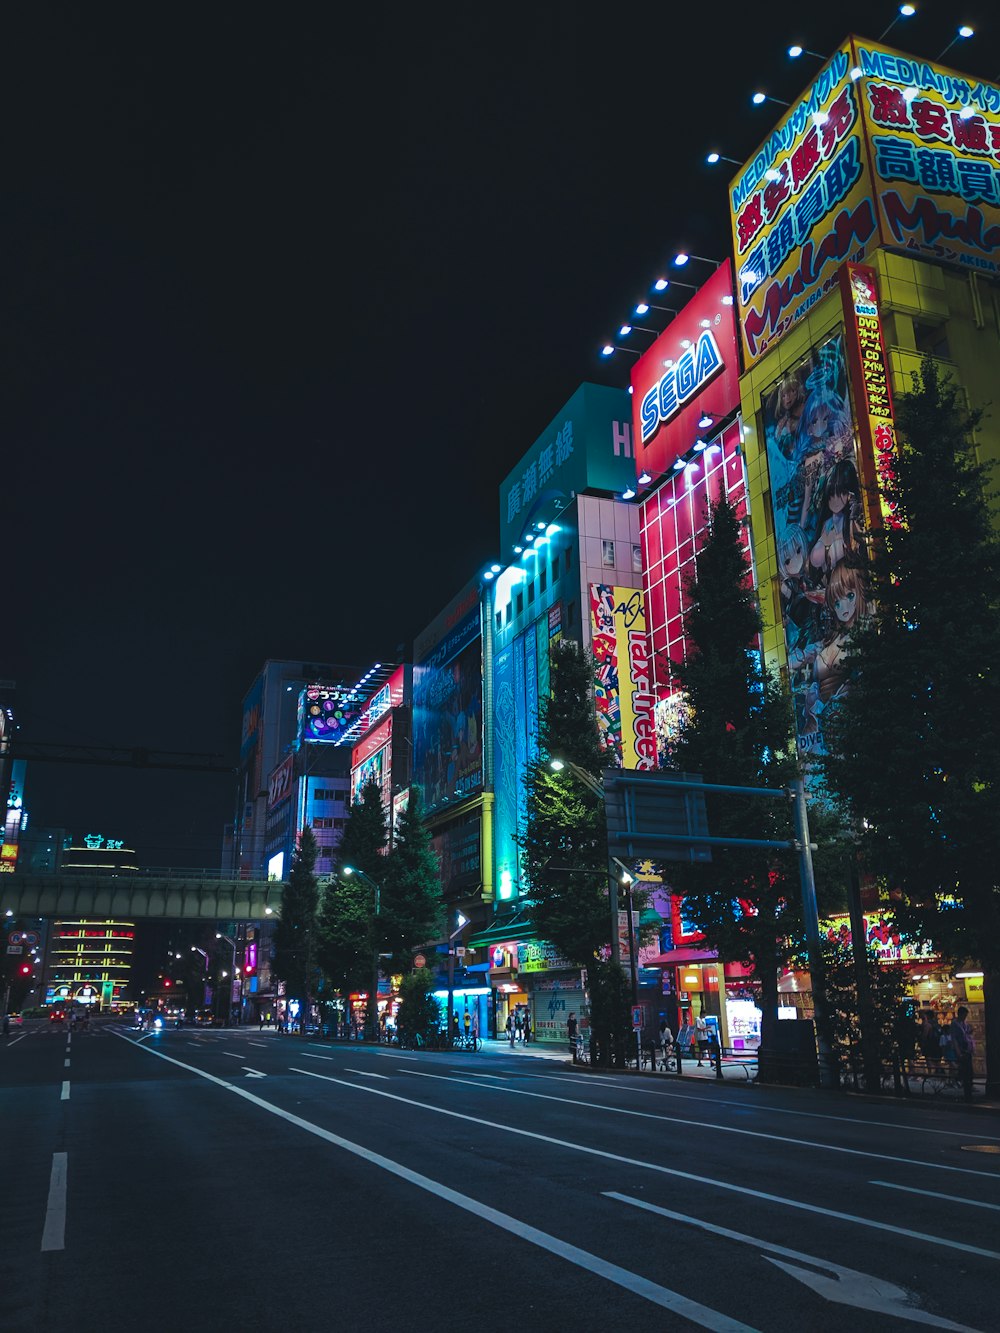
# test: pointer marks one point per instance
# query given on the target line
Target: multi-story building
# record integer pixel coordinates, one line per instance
(89, 961)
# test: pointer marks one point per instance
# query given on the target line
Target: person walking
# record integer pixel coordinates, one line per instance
(518, 1025)
(963, 1044)
(571, 1035)
(701, 1037)
(666, 1042)
(510, 1028)
(467, 1023)
(928, 1038)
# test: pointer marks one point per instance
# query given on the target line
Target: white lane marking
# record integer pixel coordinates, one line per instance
(394, 1055)
(54, 1231)
(663, 1170)
(64, 1096)
(231, 1053)
(719, 1129)
(699, 1314)
(707, 1097)
(846, 1287)
(933, 1194)
(17, 1039)
(503, 1077)
(254, 1073)
(66, 1063)
(257, 1043)
(308, 1055)
(365, 1074)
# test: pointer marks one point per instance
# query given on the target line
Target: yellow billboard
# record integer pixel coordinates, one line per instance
(882, 149)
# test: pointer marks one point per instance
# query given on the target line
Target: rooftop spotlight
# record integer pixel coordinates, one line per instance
(759, 99)
(963, 31)
(700, 446)
(679, 465)
(628, 493)
(661, 285)
(607, 350)
(909, 94)
(495, 569)
(796, 51)
(682, 257)
(905, 12)
(712, 158)
(625, 330)
(966, 112)
(642, 308)
(644, 478)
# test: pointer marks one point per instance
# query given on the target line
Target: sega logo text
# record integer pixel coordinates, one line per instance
(687, 376)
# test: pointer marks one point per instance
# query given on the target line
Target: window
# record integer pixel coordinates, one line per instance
(531, 592)
(520, 603)
(608, 554)
(325, 795)
(499, 620)
(510, 611)
(555, 571)
(543, 579)
(570, 615)
(567, 558)
(636, 559)
(322, 823)
(931, 339)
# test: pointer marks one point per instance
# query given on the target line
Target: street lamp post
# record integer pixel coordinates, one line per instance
(371, 1019)
(232, 945)
(462, 922)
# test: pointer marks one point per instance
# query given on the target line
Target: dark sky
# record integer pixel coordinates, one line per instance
(288, 290)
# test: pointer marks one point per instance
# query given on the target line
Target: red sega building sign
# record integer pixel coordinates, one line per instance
(692, 368)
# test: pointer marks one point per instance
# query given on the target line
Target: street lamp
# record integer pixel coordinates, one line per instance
(232, 945)
(462, 923)
(371, 1021)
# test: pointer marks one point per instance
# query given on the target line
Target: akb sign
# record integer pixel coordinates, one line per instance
(682, 379)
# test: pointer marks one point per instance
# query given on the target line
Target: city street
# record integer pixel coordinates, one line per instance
(208, 1179)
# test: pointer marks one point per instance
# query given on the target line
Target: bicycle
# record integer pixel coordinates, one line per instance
(465, 1041)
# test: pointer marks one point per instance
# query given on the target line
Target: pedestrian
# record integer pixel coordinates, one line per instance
(518, 1024)
(963, 1044)
(571, 1034)
(666, 1042)
(928, 1037)
(261, 1028)
(701, 1037)
(510, 1028)
(527, 1026)
(467, 1023)
(685, 1036)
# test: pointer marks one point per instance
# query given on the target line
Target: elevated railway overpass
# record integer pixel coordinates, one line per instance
(164, 895)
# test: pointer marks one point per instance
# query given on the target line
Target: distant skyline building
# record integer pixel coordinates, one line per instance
(89, 960)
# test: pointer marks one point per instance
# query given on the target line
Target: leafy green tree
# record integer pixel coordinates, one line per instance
(348, 937)
(295, 937)
(747, 901)
(887, 987)
(564, 845)
(411, 895)
(419, 1017)
(915, 738)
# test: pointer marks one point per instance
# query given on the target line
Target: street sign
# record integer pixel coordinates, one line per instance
(638, 1016)
(419, 960)
(651, 816)
(14, 948)
(459, 950)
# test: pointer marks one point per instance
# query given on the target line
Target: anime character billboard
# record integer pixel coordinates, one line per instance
(819, 529)
(623, 693)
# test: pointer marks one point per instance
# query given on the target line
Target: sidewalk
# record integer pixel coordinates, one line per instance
(735, 1068)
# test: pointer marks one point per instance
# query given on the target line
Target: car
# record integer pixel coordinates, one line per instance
(57, 1016)
(15, 1020)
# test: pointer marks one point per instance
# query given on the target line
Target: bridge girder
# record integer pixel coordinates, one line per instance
(127, 898)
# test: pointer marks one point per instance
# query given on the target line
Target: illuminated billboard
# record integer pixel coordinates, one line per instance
(673, 526)
(882, 149)
(692, 368)
(371, 761)
(819, 527)
(623, 685)
(448, 714)
(935, 146)
(326, 712)
(801, 205)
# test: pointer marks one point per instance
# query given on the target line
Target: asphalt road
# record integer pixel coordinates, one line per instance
(242, 1179)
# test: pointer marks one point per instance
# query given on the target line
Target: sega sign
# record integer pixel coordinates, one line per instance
(683, 378)
(692, 368)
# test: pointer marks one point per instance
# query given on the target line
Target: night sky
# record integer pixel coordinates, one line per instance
(288, 291)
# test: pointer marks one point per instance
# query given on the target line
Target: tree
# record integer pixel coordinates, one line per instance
(411, 896)
(746, 901)
(564, 845)
(887, 988)
(915, 738)
(419, 1017)
(295, 937)
(347, 938)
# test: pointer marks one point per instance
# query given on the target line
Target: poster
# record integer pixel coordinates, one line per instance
(623, 689)
(819, 528)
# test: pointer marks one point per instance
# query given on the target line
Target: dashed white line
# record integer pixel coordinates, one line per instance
(54, 1231)
(933, 1194)
(64, 1097)
(364, 1073)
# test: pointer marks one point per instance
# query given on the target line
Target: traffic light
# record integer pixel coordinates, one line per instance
(25, 969)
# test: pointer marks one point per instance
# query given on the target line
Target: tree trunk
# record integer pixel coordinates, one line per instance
(991, 1015)
(770, 1065)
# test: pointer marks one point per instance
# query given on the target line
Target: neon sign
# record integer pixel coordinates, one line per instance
(682, 380)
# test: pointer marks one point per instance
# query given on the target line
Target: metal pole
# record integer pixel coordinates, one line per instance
(451, 991)
(870, 1063)
(373, 1002)
(810, 912)
(616, 951)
